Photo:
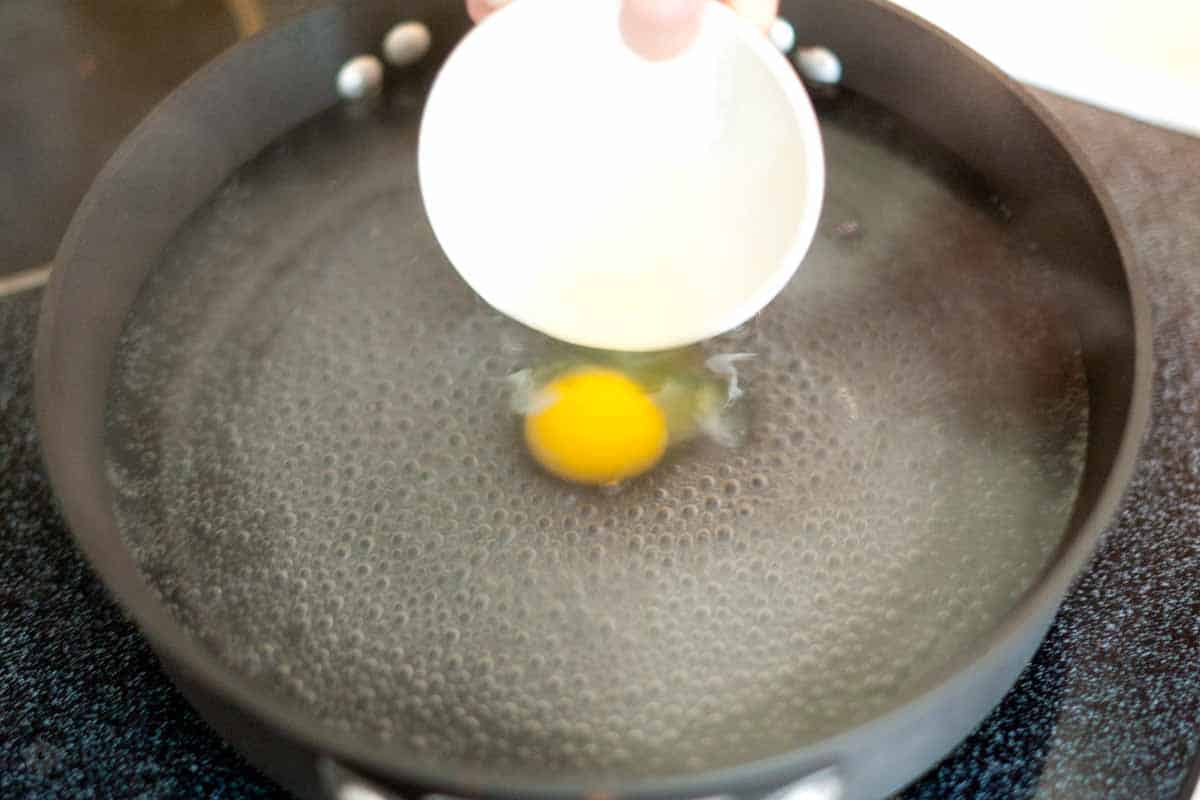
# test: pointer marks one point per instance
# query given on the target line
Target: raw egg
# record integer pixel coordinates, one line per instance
(601, 418)
(596, 426)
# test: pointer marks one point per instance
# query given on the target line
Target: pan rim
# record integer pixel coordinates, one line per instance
(173, 643)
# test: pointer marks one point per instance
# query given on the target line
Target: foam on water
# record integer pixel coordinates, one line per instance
(317, 469)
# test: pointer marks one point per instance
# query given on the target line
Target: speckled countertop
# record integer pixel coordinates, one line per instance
(1110, 707)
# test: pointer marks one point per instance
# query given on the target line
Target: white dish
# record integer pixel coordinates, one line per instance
(614, 202)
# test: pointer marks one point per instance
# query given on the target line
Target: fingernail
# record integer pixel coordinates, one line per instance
(660, 29)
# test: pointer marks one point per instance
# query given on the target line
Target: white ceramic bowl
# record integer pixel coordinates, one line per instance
(614, 202)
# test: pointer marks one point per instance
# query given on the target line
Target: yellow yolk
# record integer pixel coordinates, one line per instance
(596, 426)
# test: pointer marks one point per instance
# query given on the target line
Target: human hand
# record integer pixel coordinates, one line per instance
(659, 29)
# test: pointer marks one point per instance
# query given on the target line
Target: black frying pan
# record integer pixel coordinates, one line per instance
(217, 321)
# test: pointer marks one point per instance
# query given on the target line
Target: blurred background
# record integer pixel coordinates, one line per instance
(77, 75)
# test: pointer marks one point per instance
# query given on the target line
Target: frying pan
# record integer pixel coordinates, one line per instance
(250, 288)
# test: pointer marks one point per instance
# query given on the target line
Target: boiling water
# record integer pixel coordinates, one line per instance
(316, 468)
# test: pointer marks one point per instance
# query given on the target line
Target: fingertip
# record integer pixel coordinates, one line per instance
(478, 9)
(660, 29)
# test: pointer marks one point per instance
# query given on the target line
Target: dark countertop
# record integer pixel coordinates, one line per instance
(1110, 707)
(85, 710)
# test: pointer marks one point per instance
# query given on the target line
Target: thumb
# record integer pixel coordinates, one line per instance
(660, 29)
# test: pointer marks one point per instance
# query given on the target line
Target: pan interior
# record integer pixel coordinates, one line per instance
(316, 468)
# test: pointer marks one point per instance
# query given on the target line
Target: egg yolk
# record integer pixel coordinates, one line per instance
(596, 426)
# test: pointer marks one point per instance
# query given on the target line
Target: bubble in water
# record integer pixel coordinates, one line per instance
(335, 491)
